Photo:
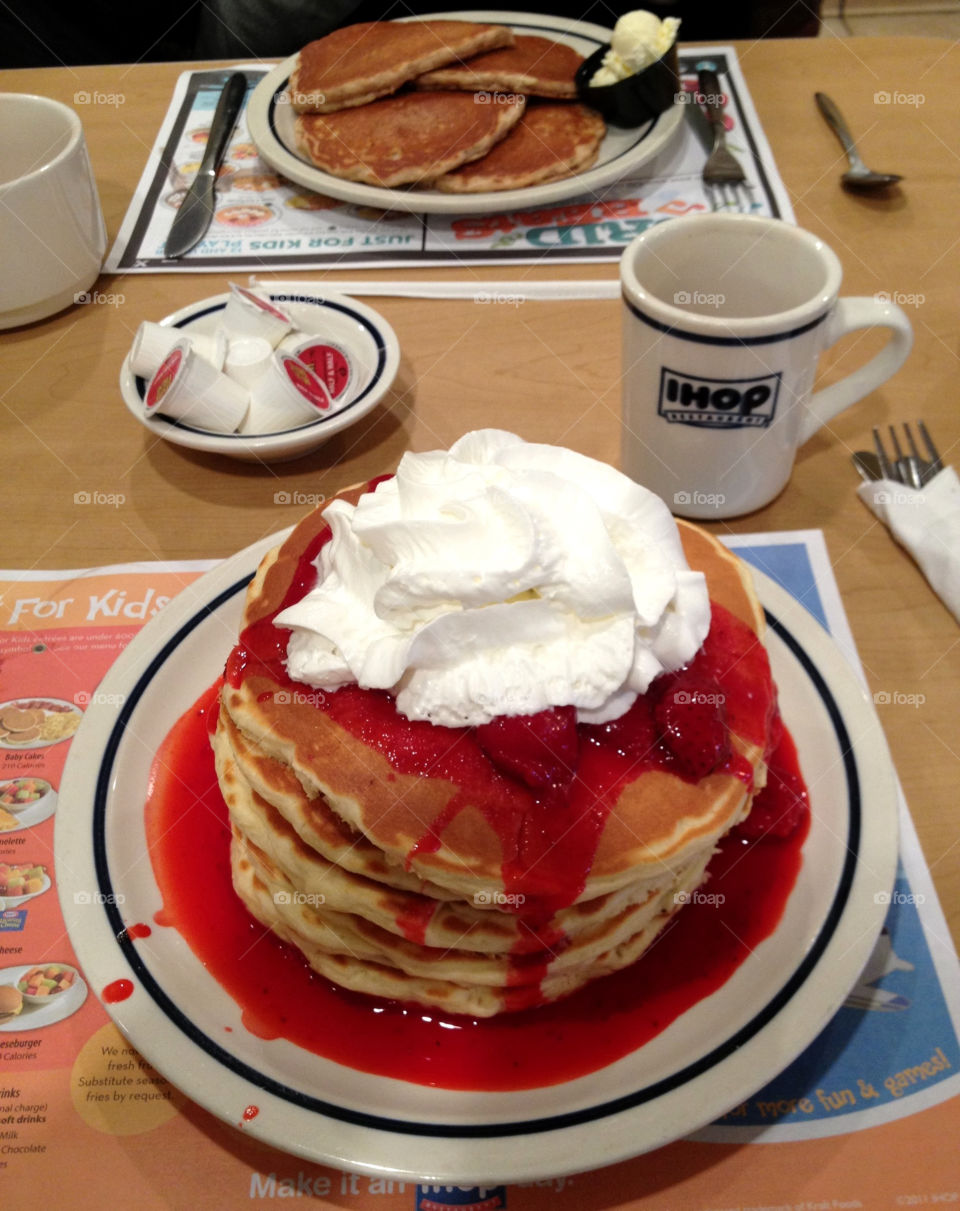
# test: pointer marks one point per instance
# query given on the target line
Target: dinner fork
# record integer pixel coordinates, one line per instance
(722, 173)
(910, 468)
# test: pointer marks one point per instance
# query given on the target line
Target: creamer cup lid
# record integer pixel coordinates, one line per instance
(304, 381)
(331, 362)
(250, 299)
(247, 314)
(165, 376)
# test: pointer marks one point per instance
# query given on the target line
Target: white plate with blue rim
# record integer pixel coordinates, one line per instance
(271, 122)
(362, 336)
(708, 1060)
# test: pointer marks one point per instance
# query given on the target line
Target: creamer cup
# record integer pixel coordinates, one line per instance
(247, 314)
(331, 363)
(152, 344)
(288, 395)
(248, 359)
(186, 388)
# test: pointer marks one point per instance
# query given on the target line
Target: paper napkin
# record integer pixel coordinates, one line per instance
(926, 521)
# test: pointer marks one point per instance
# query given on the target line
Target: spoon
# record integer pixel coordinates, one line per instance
(858, 176)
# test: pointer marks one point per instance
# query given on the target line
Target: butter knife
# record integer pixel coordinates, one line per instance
(196, 209)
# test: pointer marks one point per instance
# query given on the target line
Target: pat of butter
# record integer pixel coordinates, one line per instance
(639, 39)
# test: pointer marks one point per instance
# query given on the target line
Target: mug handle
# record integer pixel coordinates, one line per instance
(849, 315)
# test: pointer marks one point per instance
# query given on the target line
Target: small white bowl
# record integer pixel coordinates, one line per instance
(30, 999)
(17, 901)
(374, 354)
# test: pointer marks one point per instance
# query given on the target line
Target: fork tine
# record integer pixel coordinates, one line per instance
(885, 469)
(908, 433)
(917, 467)
(898, 453)
(935, 463)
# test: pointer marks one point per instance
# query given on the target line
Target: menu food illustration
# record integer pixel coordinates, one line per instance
(864, 1117)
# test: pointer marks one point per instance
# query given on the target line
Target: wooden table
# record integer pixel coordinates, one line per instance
(547, 370)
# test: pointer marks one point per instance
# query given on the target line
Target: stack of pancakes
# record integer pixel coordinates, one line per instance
(395, 877)
(451, 105)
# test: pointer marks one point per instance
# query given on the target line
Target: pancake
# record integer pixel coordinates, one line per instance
(405, 139)
(418, 911)
(660, 816)
(358, 960)
(551, 141)
(403, 861)
(534, 66)
(359, 63)
(339, 932)
(16, 719)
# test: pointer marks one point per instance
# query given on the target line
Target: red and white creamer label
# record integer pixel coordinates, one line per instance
(330, 364)
(162, 381)
(254, 300)
(306, 382)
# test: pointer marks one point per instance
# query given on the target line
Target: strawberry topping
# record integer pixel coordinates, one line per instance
(541, 750)
(692, 721)
(783, 803)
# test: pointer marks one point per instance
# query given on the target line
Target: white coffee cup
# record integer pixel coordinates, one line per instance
(52, 236)
(724, 319)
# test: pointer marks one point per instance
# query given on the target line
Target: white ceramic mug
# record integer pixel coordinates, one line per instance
(52, 237)
(725, 317)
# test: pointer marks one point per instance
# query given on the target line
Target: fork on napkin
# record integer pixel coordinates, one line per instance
(925, 521)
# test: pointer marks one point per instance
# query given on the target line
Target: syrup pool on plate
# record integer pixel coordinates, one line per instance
(537, 1044)
(280, 997)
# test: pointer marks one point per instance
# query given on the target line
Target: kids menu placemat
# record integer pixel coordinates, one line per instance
(865, 1117)
(264, 222)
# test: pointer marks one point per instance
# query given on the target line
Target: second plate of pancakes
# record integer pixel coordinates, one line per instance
(270, 120)
(714, 1056)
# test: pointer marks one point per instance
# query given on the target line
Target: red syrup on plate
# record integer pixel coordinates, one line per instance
(698, 951)
(116, 991)
(280, 997)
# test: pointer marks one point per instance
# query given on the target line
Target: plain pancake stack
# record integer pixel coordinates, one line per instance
(408, 103)
(402, 863)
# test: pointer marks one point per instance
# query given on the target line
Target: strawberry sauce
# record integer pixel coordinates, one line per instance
(546, 793)
(544, 784)
(280, 997)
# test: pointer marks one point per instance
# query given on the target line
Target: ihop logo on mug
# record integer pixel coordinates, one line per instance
(722, 403)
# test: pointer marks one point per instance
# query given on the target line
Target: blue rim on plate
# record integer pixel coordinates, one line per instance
(314, 1108)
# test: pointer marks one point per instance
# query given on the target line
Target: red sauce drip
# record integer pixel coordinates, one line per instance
(138, 931)
(414, 919)
(281, 997)
(118, 991)
(250, 1113)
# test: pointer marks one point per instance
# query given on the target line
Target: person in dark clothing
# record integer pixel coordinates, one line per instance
(60, 33)
(280, 27)
(101, 31)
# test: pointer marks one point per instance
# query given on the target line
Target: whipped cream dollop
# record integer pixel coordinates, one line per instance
(500, 577)
(639, 39)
